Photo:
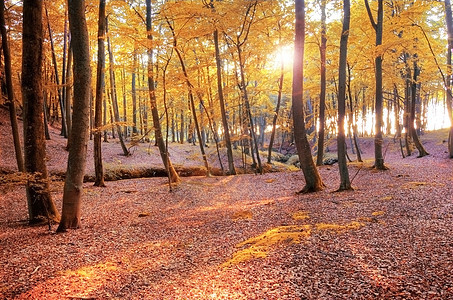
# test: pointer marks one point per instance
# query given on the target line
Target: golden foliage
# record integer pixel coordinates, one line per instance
(259, 246)
(300, 215)
(338, 228)
(378, 213)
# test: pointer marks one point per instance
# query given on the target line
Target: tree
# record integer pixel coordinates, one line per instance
(322, 94)
(345, 183)
(173, 176)
(9, 90)
(279, 100)
(114, 96)
(40, 203)
(239, 39)
(64, 131)
(313, 180)
(73, 189)
(100, 85)
(226, 129)
(413, 132)
(191, 100)
(449, 21)
(378, 140)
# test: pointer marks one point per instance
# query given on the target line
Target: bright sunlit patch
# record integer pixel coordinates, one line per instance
(300, 215)
(284, 54)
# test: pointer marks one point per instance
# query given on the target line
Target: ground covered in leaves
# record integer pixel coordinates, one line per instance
(244, 237)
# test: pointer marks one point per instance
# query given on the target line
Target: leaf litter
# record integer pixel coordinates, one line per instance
(389, 239)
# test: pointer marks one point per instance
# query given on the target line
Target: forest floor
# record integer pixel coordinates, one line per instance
(238, 237)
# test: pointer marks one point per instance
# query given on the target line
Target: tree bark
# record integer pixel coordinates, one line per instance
(191, 100)
(277, 107)
(73, 187)
(413, 132)
(351, 120)
(226, 134)
(40, 203)
(322, 95)
(67, 96)
(378, 139)
(174, 178)
(100, 85)
(134, 95)
(313, 180)
(64, 131)
(114, 97)
(10, 91)
(345, 183)
(449, 21)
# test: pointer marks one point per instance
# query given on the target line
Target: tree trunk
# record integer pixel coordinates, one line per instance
(322, 95)
(67, 96)
(40, 203)
(351, 120)
(181, 135)
(46, 118)
(134, 95)
(173, 176)
(114, 97)
(104, 117)
(226, 134)
(73, 186)
(248, 111)
(413, 132)
(313, 181)
(277, 108)
(64, 131)
(10, 91)
(100, 85)
(449, 21)
(124, 103)
(191, 100)
(378, 140)
(65, 73)
(345, 183)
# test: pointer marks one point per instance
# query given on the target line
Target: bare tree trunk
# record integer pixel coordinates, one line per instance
(73, 186)
(378, 140)
(313, 181)
(10, 91)
(114, 98)
(277, 107)
(413, 132)
(191, 100)
(124, 103)
(231, 168)
(173, 176)
(46, 118)
(67, 95)
(65, 73)
(100, 85)
(407, 112)
(40, 203)
(449, 21)
(134, 95)
(345, 183)
(64, 131)
(248, 111)
(351, 120)
(182, 128)
(322, 95)
(104, 117)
